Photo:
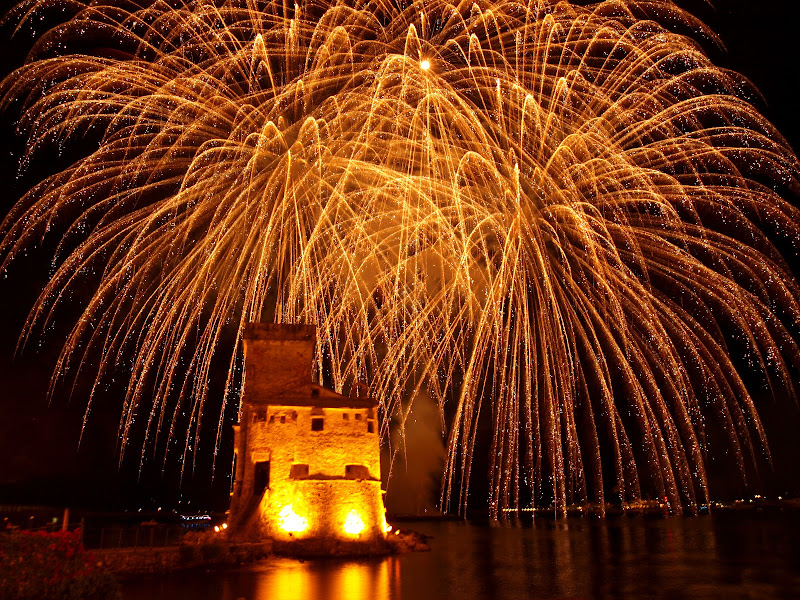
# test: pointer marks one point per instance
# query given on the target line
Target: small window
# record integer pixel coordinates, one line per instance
(371, 427)
(346, 417)
(283, 418)
(272, 418)
(356, 472)
(317, 423)
(358, 416)
(260, 416)
(298, 471)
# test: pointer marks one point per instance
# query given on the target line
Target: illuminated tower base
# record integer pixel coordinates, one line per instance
(307, 459)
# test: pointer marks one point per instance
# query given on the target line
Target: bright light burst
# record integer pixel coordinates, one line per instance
(290, 521)
(353, 524)
(558, 219)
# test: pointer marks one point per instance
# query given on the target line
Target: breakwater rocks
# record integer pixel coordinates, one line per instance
(408, 541)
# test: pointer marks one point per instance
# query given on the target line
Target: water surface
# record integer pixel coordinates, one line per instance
(728, 555)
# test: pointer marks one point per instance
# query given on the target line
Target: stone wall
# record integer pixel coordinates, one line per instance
(278, 362)
(128, 562)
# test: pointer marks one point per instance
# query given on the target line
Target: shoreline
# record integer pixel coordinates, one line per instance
(219, 553)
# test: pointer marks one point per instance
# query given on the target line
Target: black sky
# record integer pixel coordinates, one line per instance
(40, 461)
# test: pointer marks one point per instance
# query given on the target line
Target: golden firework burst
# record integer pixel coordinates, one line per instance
(555, 219)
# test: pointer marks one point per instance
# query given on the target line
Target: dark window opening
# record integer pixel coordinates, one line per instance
(356, 472)
(259, 416)
(317, 423)
(283, 418)
(371, 427)
(298, 471)
(358, 416)
(346, 417)
(261, 477)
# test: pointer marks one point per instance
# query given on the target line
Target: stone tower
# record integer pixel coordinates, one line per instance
(307, 459)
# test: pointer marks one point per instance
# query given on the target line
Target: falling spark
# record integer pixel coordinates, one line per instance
(564, 230)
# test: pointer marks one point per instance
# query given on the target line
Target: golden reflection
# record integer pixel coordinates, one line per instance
(351, 580)
(286, 579)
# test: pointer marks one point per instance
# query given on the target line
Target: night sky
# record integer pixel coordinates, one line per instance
(40, 461)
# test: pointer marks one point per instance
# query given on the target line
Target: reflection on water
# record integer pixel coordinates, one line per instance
(284, 578)
(275, 579)
(740, 555)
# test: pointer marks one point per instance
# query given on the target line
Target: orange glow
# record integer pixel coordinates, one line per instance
(425, 65)
(290, 521)
(345, 579)
(353, 524)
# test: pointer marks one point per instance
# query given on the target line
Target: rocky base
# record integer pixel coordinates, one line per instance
(326, 548)
(405, 540)
(397, 542)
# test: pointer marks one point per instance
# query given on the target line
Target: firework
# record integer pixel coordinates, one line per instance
(556, 220)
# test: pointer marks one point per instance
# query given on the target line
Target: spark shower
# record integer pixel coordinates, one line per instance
(563, 223)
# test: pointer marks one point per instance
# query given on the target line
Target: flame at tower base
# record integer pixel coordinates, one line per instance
(307, 459)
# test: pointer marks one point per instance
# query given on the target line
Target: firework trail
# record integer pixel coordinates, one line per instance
(559, 221)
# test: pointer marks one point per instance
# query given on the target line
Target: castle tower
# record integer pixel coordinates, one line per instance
(307, 458)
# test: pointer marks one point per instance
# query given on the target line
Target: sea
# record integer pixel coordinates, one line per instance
(753, 554)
